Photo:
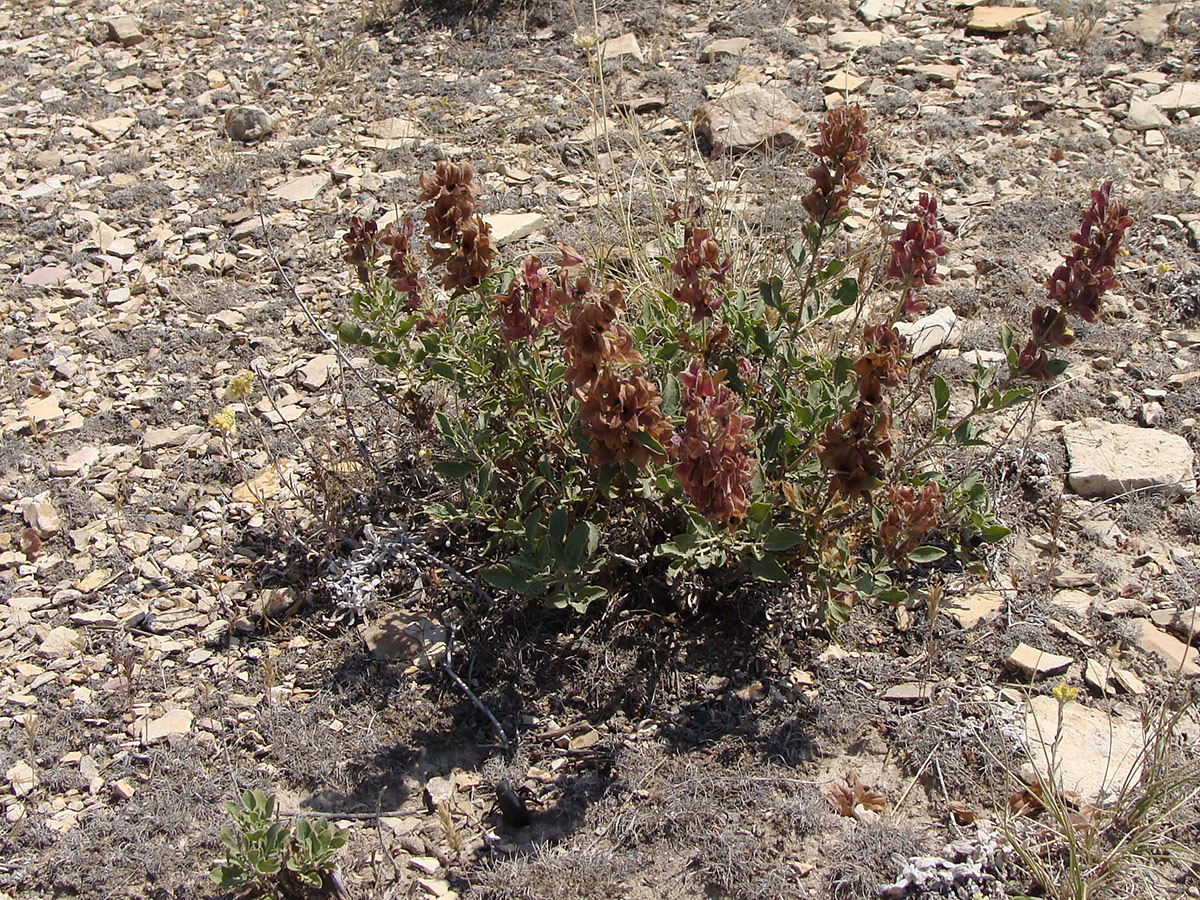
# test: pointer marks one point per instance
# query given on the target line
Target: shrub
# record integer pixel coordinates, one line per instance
(700, 426)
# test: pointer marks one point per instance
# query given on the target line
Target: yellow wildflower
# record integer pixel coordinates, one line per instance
(1063, 692)
(224, 421)
(239, 385)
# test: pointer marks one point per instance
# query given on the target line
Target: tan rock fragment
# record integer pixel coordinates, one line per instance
(1034, 663)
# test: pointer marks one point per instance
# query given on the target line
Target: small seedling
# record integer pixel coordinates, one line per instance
(266, 858)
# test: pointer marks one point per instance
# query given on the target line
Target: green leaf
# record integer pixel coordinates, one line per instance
(758, 511)
(352, 333)
(585, 597)
(557, 526)
(780, 539)
(767, 569)
(525, 498)
(926, 554)
(994, 533)
(581, 543)
(940, 392)
(454, 470)
(505, 578)
(647, 440)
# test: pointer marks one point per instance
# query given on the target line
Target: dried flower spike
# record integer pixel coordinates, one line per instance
(715, 450)
(624, 421)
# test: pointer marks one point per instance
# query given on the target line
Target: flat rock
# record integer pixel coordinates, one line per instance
(974, 607)
(749, 116)
(315, 372)
(46, 276)
(302, 189)
(847, 41)
(113, 127)
(407, 638)
(999, 19)
(247, 124)
(1108, 459)
(1176, 655)
(508, 227)
(171, 723)
(395, 128)
(1095, 751)
(1144, 115)
(844, 83)
(1185, 95)
(1151, 23)
(43, 409)
(931, 333)
(1186, 623)
(41, 516)
(1034, 663)
(874, 10)
(156, 438)
(21, 778)
(625, 45)
(60, 641)
(726, 49)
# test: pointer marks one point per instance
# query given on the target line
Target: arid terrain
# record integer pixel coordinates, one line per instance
(187, 614)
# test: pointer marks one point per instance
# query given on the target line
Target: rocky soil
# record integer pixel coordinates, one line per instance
(184, 616)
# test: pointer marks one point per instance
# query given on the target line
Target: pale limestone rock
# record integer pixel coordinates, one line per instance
(999, 19)
(748, 116)
(625, 45)
(21, 778)
(125, 31)
(509, 227)
(931, 333)
(1144, 115)
(1108, 459)
(112, 127)
(1175, 655)
(1151, 23)
(848, 41)
(59, 642)
(171, 723)
(1184, 95)
(302, 189)
(395, 128)
(874, 10)
(1095, 751)
(1031, 662)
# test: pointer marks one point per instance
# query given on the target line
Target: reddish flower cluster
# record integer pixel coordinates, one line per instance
(592, 337)
(403, 270)
(715, 450)
(1077, 285)
(458, 236)
(619, 413)
(700, 268)
(362, 248)
(530, 304)
(911, 515)
(855, 450)
(915, 253)
(843, 150)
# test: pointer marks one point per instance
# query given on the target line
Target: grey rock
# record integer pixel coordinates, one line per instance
(247, 124)
(749, 116)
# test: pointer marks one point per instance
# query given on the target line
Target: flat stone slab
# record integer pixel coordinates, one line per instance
(625, 45)
(302, 189)
(847, 41)
(1174, 653)
(1185, 95)
(508, 227)
(749, 116)
(1034, 663)
(999, 19)
(1108, 459)
(1096, 752)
